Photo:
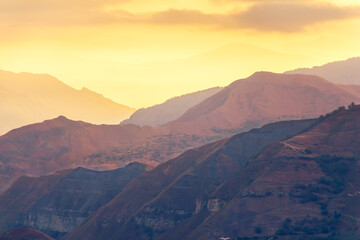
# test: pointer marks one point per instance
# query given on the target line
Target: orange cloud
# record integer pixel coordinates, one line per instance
(275, 16)
(263, 17)
(292, 17)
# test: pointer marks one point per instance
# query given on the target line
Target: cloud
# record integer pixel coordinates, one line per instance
(48, 12)
(280, 17)
(292, 17)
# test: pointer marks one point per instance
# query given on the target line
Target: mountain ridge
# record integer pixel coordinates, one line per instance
(169, 110)
(300, 181)
(57, 203)
(243, 105)
(339, 72)
(28, 98)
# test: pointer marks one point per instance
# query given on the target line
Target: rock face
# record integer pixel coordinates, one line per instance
(57, 203)
(178, 194)
(169, 110)
(24, 234)
(61, 143)
(286, 180)
(341, 72)
(29, 98)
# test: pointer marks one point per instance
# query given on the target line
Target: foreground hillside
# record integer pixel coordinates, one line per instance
(169, 110)
(61, 143)
(178, 192)
(57, 203)
(290, 180)
(341, 72)
(29, 98)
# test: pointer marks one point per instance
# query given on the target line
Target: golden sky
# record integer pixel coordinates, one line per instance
(141, 52)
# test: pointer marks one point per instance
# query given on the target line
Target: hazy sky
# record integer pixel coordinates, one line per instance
(141, 52)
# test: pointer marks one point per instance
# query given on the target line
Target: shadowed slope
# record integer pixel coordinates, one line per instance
(289, 179)
(57, 203)
(176, 191)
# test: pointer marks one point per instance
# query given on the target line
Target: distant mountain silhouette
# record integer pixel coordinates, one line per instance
(24, 234)
(287, 180)
(169, 110)
(57, 203)
(245, 104)
(340, 72)
(28, 98)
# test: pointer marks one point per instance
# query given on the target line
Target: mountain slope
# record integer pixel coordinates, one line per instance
(28, 98)
(169, 110)
(308, 185)
(61, 143)
(173, 192)
(290, 180)
(263, 98)
(341, 72)
(57, 203)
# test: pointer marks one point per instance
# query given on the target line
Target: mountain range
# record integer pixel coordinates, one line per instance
(29, 98)
(176, 170)
(287, 180)
(263, 98)
(61, 143)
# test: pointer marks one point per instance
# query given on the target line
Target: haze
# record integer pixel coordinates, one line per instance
(140, 53)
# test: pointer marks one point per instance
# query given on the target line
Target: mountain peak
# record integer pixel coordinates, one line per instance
(86, 90)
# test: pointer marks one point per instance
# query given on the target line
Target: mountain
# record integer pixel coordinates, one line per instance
(62, 143)
(173, 192)
(57, 203)
(287, 180)
(169, 110)
(28, 98)
(245, 104)
(24, 234)
(263, 98)
(341, 72)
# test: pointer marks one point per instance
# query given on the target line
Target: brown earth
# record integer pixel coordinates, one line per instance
(56, 204)
(289, 180)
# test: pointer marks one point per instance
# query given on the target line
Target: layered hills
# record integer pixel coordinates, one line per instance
(287, 180)
(57, 203)
(29, 98)
(169, 110)
(340, 72)
(62, 143)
